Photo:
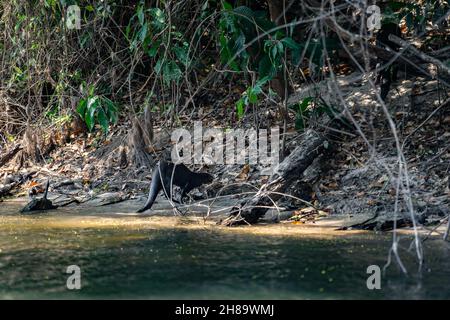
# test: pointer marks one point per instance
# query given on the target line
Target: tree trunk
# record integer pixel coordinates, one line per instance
(138, 146)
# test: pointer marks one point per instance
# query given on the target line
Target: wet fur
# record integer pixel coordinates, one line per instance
(180, 175)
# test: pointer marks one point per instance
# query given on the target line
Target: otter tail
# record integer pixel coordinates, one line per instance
(155, 187)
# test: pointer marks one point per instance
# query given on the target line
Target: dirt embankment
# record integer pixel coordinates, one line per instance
(373, 170)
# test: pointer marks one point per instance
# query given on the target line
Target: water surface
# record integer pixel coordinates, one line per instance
(170, 257)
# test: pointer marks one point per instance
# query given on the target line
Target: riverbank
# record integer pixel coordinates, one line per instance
(354, 179)
(123, 215)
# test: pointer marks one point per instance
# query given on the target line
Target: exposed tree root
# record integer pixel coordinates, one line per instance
(137, 143)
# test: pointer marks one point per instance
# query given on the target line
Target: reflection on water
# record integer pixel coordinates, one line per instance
(141, 257)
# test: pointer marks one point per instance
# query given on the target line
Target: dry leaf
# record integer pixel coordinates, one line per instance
(244, 173)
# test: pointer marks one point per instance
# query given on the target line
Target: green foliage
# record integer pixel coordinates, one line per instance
(54, 115)
(97, 109)
(149, 31)
(237, 27)
(240, 51)
(248, 40)
(250, 96)
(37, 48)
(18, 76)
(308, 108)
(416, 15)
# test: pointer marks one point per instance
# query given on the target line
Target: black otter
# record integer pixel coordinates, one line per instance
(165, 172)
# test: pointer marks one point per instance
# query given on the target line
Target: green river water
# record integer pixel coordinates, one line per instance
(170, 258)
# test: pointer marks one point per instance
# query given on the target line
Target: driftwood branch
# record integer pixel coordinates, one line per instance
(10, 154)
(284, 174)
(39, 204)
(7, 188)
(409, 63)
(421, 55)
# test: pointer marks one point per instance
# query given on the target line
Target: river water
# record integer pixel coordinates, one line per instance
(166, 257)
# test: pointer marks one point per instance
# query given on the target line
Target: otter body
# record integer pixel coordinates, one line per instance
(166, 174)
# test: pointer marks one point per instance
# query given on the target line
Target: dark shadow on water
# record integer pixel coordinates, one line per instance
(191, 264)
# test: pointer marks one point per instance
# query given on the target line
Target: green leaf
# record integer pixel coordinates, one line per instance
(153, 49)
(225, 53)
(91, 90)
(103, 120)
(81, 108)
(158, 66)
(290, 43)
(266, 69)
(143, 32)
(111, 110)
(299, 122)
(205, 6)
(140, 15)
(252, 96)
(89, 120)
(171, 72)
(182, 54)
(253, 92)
(89, 116)
(159, 20)
(280, 47)
(273, 53)
(128, 30)
(239, 43)
(303, 106)
(227, 6)
(263, 81)
(240, 108)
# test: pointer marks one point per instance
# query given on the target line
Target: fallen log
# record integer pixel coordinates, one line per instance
(10, 154)
(377, 223)
(421, 55)
(65, 204)
(4, 190)
(312, 145)
(388, 225)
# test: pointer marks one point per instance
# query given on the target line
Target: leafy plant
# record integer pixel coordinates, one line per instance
(53, 113)
(239, 50)
(250, 96)
(149, 31)
(310, 107)
(97, 109)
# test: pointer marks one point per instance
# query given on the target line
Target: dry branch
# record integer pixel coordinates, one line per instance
(7, 188)
(285, 173)
(10, 154)
(421, 55)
